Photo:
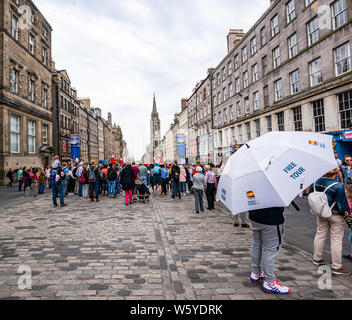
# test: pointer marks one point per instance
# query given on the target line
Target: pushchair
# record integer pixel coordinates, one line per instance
(142, 192)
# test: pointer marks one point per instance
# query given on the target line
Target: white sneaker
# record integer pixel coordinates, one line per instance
(275, 288)
(256, 277)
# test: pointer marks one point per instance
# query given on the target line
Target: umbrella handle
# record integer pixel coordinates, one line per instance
(295, 206)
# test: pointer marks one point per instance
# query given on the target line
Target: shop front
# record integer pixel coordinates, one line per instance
(342, 143)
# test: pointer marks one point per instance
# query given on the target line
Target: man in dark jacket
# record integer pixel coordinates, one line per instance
(175, 180)
(10, 176)
(127, 181)
(94, 181)
(268, 230)
(112, 177)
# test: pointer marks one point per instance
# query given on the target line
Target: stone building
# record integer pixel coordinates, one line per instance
(290, 72)
(66, 112)
(83, 130)
(108, 139)
(118, 142)
(100, 122)
(25, 87)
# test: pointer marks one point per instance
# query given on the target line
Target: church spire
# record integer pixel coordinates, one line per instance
(155, 111)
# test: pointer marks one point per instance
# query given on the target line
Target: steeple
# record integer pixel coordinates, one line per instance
(155, 110)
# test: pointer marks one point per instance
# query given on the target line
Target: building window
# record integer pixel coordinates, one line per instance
(345, 109)
(266, 96)
(257, 127)
(309, 2)
(292, 46)
(215, 120)
(15, 134)
(315, 73)
(238, 85)
(232, 113)
(220, 118)
(263, 37)
(31, 43)
(253, 46)
(244, 55)
(269, 124)
(223, 74)
(256, 101)
(239, 109)
(14, 80)
(278, 90)
(281, 121)
(276, 57)
(218, 79)
(247, 107)
(248, 130)
(45, 32)
(275, 26)
(219, 98)
(31, 90)
(226, 115)
(14, 28)
(45, 133)
(240, 134)
(342, 59)
(44, 97)
(229, 68)
(230, 89)
(339, 13)
(290, 11)
(319, 115)
(237, 62)
(255, 76)
(31, 136)
(233, 135)
(295, 83)
(265, 65)
(225, 94)
(245, 79)
(313, 31)
(297, 118)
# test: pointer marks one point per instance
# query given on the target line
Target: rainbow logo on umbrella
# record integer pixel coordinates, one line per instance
(250, 195)
(313, 143)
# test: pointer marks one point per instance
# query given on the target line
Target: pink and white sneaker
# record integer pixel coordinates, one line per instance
(275, 288)
(256, 277)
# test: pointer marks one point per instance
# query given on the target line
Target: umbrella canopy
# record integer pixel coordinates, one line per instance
(103, 162)
(272, 170)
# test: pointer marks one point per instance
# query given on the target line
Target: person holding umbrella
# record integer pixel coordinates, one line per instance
(264, 177)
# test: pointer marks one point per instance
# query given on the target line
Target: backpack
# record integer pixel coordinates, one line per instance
(175, 173)
(91, 175)
(318, 202)
(54, 177)
(156, 170)
(82, 179)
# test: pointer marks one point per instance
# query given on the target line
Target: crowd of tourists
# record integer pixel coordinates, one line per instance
(93, 181)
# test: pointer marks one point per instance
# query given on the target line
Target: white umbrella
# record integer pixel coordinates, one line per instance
(272, 170)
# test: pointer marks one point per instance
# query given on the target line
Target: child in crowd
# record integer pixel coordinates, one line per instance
(349, 198)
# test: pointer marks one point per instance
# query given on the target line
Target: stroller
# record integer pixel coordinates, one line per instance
(142, 192)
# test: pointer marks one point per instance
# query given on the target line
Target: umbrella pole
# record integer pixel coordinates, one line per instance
(295, 206)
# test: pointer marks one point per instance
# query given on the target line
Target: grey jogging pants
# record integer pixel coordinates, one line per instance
(266, 244)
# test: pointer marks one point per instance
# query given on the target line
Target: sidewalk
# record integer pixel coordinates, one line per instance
(164, 250)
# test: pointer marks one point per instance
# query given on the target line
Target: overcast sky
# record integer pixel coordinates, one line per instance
(119, 52)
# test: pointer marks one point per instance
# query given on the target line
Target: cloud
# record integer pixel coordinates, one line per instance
(120, 52)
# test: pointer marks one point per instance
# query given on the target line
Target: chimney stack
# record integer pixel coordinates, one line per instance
(234, 36)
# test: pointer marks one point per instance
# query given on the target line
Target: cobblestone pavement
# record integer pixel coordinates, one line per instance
(163, 250)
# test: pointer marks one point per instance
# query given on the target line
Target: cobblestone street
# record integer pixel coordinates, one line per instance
(163, 250)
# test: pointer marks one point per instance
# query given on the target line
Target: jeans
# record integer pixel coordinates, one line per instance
(94, 186)
(112, 188)
(57, 189)
(41, 187)
(64, 187)
(19, 185)
(80, 190)
(351, 240)
(145, 180)
(198, 196)
(183, 187)
(266, 244)
(85, 190)
(117, 191)
(163, 185)
(175, 186)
